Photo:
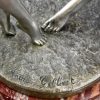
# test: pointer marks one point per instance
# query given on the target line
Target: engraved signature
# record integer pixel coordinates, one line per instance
(48, 81)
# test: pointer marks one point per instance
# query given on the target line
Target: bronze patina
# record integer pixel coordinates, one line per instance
(26, 22)
(67, 64)
(57, 22)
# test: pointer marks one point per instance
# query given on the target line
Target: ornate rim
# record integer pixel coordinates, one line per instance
(48, 94)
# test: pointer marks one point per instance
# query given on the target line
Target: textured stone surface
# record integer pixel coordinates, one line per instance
(69, 60)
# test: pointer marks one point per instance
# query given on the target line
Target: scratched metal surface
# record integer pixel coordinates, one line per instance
(69, 61)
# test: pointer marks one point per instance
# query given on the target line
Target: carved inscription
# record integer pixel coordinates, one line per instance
(49, 81)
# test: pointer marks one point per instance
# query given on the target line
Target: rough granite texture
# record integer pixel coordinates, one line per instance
(69, 60)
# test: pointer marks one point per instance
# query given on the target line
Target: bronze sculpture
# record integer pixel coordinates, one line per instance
(67, 64)
(56, 22)
(16, 9)
(7, 27)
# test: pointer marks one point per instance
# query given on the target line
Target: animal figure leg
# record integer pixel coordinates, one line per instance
(7, 27)
(16, 9)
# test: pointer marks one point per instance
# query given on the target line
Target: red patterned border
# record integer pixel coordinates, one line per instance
(92, 93)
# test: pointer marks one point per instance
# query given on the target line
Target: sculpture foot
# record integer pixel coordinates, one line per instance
(37, 39)
(54, 25)
(11, 31)
(39, 42)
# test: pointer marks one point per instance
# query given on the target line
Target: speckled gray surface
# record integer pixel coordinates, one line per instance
(68, 61)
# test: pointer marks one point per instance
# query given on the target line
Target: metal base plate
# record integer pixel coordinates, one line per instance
(67, 64)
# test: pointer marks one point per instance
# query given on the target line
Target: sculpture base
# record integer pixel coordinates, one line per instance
(66, 65)
(90, 93)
